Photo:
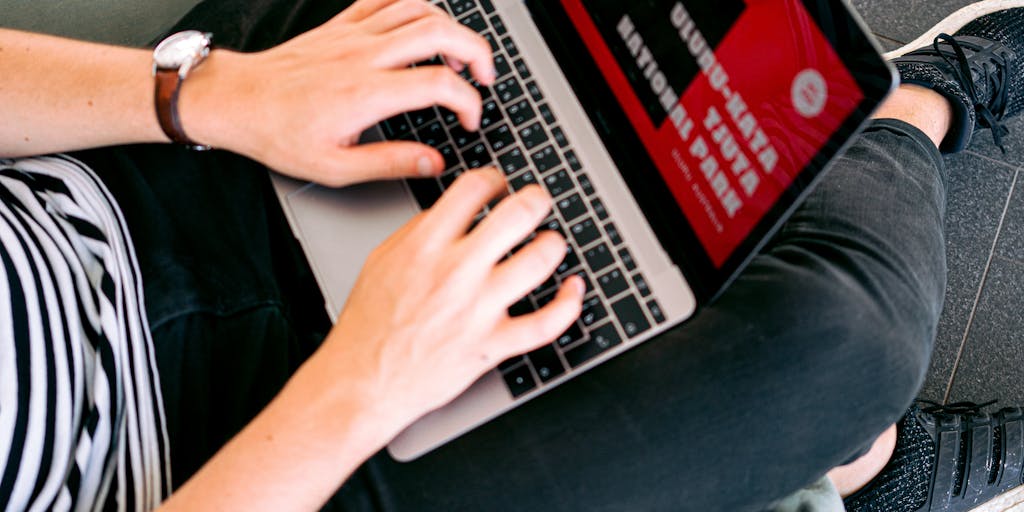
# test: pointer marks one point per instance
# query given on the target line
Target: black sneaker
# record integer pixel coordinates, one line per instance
(948, 458)
(980, 68)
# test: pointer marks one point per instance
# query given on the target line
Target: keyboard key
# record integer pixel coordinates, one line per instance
(451, 158)
(491, 114)
(421, 118)
(599, 209)
(476, 156)
(500, 138)
(397, 126)
(558, 183)
(463, 137)
(487, 6)
(475, 21)
(448, 178)
(508, 364)
(523, 307)
(631, 316)
(508, 89)
(585, 232)
(613, 283)
(572, 207)
(533, 136)
(627, 259)
(510, 47)
(512, 161)
(493, 41)
(574, 161)
(546, 292)
(560, 138)
(546, 114)
(546, 159)
(501, 65)
(499, 25)
(519, 380)
(448, 117)
(599, 258)
(460, 7)
(641, 285)
(546, 362)
(570, 262)
(656, 312)
(593, 311)
(534, 91)
(552, 225)
(601, 339)
(433, 134)
(521, 112)
(613, 234)
(521, 181)
(572, 335)
(524, 72)
(426, 191)
(585, 184)
(486, 93)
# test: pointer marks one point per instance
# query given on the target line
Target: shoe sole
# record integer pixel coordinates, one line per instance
(955, 22)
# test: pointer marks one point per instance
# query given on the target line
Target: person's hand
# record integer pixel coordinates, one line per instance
(429, 313)
(300, 107)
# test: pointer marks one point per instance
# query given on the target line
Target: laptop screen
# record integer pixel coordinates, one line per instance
(719, 114)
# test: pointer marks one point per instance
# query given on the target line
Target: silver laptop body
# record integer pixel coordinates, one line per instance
(338, 229)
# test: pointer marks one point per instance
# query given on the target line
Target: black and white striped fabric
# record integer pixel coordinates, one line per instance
(81, 418)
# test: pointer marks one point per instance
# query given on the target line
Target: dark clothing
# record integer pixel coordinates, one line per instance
(818, 347)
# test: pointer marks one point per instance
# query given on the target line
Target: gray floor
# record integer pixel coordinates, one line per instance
(979, 353)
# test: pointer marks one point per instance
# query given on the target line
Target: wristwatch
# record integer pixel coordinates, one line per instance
(173, 60)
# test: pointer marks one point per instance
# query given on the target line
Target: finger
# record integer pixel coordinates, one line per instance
(362, 9)
(401, 13)
(528, 268)
(382, 161)
(407, 90)
(433, 35)
(528, 332)
(509, 223)
(452, 215)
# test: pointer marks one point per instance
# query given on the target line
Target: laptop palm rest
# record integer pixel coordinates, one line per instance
(338, 228)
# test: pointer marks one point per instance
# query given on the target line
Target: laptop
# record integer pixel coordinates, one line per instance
(674, 136)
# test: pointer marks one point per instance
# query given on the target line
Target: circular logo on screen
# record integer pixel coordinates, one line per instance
(810, 93)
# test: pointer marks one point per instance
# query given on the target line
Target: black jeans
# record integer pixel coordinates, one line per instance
(818, 347)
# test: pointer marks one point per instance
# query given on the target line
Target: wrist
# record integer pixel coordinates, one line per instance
(208, 97)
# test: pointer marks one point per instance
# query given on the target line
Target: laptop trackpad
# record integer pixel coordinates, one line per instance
(338, 228)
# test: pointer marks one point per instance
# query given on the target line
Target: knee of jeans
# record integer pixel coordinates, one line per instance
(884, 349)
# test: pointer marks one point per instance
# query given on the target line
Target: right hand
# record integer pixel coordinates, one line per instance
(429, 313)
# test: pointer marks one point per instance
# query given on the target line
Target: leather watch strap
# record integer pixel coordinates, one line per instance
(168, 85)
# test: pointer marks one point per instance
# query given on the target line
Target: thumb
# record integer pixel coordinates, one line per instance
(387, 160)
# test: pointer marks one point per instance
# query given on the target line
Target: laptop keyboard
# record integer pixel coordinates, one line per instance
(520, 135)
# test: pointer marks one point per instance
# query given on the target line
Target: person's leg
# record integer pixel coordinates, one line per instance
(933, 114)
(816, 349)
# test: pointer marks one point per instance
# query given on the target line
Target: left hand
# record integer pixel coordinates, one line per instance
(300, 107)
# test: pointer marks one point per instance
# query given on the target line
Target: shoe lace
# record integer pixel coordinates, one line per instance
(990, 115)
(957, 408)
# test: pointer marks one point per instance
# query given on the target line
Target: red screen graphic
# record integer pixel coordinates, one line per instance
(765, 101)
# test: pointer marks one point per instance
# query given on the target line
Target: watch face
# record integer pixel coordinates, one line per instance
(179, 48)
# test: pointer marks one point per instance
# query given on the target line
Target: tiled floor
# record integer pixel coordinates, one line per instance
(979, 352)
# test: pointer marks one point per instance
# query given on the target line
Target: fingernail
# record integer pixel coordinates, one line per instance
(581, 288)
(425, 166)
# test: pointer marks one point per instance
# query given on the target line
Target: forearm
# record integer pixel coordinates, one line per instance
(58, 94)
(61, 95)
(297, 452)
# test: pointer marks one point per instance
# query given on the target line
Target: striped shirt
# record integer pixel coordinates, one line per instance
(81, 418)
